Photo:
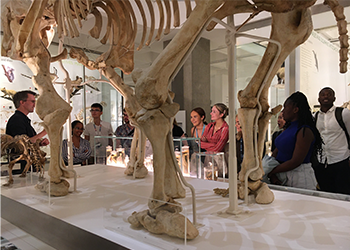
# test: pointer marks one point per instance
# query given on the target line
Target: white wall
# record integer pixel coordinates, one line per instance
(319, 67)
(22, 81)
(216, 88)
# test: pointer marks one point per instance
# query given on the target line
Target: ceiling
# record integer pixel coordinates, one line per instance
(323, 21)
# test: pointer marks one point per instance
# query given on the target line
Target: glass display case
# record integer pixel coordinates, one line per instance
(211, 166)
(184, 149)
(118, 152)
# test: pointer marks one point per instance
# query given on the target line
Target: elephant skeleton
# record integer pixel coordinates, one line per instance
(27, 32)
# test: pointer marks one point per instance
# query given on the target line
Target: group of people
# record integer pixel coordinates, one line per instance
(304, 136)
(214, 136)
(83, 149)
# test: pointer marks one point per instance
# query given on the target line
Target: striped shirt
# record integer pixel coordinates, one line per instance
(216, 141)
(80, 154)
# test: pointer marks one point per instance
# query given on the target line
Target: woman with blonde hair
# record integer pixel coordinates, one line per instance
(215, 135)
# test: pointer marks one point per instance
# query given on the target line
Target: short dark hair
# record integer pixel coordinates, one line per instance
(74, 123)
(21, 96)
(97, 105)
(327, 88)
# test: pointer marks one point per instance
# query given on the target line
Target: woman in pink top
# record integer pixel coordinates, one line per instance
(215, 135)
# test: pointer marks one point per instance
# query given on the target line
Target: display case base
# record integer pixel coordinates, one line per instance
(77, 221)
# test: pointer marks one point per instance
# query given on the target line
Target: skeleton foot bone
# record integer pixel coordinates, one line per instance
(140, 172)
(165, 222)
(55, 189)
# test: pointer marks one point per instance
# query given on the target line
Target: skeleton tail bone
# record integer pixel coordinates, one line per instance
(338, 12)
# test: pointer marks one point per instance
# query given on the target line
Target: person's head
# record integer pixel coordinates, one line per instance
(219, 111)
(24, 101)
(77, 128)
(280, 121)
(197, 116)
(125, 117)
(296, 107)
(326, 97)
(238, 125)
(96, 110)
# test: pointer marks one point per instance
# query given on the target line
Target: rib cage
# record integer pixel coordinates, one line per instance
(121, 29)
(121, 26)
(124, 22)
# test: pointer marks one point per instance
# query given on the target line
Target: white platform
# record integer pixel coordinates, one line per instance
(95, 216)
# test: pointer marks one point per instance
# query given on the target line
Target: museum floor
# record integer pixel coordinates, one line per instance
(14, 238)
(95, 216)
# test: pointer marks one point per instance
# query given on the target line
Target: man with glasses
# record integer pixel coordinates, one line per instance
(98, 128)
(19, 123)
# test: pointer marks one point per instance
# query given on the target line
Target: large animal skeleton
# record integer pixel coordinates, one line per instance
(21, 147)
(27, 28)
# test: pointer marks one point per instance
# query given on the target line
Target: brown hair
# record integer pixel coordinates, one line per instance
(223, 109)
(201, 113)
(21, 96)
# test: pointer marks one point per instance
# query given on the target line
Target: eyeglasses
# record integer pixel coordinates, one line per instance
(33, 101)
(95, 110)
(82, 129)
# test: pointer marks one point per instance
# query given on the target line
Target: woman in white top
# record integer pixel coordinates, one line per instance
(198, 122)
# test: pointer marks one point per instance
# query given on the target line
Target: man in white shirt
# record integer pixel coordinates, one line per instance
(98, 128)
(333, 174)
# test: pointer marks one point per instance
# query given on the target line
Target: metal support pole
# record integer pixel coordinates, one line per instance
(231, 51)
